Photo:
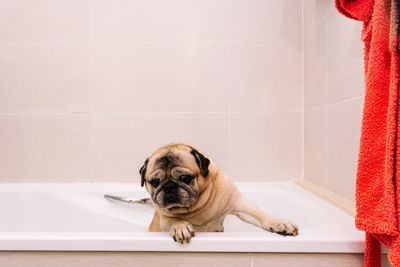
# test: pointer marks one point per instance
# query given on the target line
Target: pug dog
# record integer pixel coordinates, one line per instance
(192, 194)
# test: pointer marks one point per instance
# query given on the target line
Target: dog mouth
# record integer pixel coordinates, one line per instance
(173, 206)
(177, 206)
(176, 209)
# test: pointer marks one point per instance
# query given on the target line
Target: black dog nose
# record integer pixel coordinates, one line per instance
(170, 196)
(170, 187)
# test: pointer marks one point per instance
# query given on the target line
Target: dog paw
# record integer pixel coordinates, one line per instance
(182, 232)
(283, 228)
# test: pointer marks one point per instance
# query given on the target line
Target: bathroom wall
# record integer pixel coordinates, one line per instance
(333, 97)
(88, 88)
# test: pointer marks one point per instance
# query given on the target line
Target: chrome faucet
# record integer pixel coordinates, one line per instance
(127, 199)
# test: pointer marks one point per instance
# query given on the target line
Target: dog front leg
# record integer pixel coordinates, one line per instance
(181, 231)
(245, 210)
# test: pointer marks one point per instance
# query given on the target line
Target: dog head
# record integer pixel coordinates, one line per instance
(174, 175)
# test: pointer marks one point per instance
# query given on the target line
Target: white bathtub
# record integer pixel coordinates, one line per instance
(76, 217)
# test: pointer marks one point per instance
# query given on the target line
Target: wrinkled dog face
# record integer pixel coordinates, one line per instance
(171, 176)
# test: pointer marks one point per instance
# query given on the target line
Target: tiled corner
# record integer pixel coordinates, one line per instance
(265, 19)
(344, 126)
(315, 86)
(44, 21)
(160, 77)
(158, 20)
(345, 58)
(266, 76)
(122, 142)
(316, 146)
(266, 146)
(44, 148)
(44, 78)
(333, 97)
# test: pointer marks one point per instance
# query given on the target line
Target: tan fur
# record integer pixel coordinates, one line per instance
(155, 224)
(218, 197)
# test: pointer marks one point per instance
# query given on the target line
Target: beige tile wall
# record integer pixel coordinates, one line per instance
(89, 88)
(333, 96)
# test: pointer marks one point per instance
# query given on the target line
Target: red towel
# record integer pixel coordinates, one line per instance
(378, 173)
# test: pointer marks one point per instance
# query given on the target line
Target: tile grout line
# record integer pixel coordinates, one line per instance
(335, 103)
(229, 89)
(302, 93)
(149, 112)
(91, 152)
(326, 113)
(149, 41)
(325, 80)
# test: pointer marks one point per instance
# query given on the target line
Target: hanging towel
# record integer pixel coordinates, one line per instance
(378, 173)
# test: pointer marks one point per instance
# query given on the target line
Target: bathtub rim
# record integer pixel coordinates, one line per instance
(203, 242)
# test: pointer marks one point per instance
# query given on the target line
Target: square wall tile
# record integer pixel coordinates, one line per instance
(123, 142)
(265, 19)
(345, 58)
(160, 20)
(316, 146)
(344, 127)
(315, 87)
(44, 148)
(266, 76)
(44, 78)
(266, 146)
(315, 11)
(44, 21)
(161, 77)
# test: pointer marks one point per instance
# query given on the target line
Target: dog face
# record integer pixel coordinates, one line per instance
(174, 176)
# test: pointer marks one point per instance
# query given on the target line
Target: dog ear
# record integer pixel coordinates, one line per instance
(201, 161)
(142, 172)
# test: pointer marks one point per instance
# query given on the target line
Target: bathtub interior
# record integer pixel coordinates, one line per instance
(82, 207)
(77, 217)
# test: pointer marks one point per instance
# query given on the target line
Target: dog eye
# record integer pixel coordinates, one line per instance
(155, 182)
(186, 178)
